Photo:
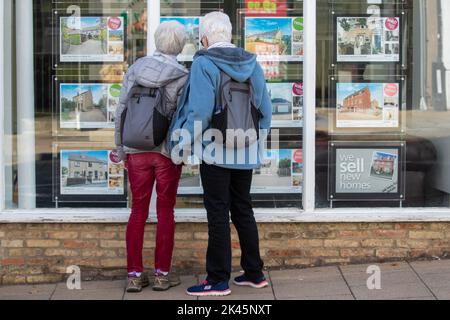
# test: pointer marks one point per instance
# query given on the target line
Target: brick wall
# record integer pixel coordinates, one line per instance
(37, 253)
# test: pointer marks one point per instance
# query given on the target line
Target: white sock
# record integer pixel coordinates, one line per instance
(134, 274)
(161, 272)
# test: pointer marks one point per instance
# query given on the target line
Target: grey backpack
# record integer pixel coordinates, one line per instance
(235, 114)
(144, 124)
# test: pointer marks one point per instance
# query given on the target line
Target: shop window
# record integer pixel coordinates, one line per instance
(383, 104)
(382, 100)
(81, 52)
(274, 31)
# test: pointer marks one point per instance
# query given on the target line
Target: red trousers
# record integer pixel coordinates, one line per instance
(143, 170)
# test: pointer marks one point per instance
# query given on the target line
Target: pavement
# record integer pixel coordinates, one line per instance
(422, 280)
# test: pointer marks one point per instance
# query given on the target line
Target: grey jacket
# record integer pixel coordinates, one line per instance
(157, 71)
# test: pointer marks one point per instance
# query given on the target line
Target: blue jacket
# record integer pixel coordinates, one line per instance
(199, 98)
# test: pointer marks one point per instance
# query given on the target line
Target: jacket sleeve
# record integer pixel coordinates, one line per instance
(201, 99)
(265, 104)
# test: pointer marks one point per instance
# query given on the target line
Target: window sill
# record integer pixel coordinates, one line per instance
(262, 215)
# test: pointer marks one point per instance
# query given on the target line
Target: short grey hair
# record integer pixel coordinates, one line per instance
(216, 27)
(170, 37)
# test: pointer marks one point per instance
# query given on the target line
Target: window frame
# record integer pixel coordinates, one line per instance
(2, 105)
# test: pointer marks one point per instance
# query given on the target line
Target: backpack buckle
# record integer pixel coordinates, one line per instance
(152, 92)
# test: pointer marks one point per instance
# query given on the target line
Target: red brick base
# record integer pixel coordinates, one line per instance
(39, 253)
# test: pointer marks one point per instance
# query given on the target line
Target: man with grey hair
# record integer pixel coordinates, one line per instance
(226, 183)
(160, 71)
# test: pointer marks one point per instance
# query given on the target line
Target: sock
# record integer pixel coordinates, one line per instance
(134, 274)
(158, 271)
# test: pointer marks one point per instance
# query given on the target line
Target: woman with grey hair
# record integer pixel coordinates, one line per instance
(159, 71)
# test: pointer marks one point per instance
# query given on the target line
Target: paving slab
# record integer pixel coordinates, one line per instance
(95, 291)
(321, 274)
(389, 275)
(418, 298)
(298, 289)
(436, 280)
(36, 297)
(35, 292)
(398, 281)
(441, 293)
(433, 267)
(385, 267)
(313, 283)
(96, 285)
(176, 293)
(437, 266)
(392, 291)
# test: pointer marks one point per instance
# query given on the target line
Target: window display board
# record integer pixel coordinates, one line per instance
(89, 33)
(88, 174)
(86, 105)
(366, 171)
(367, 38)
(93, 44)
(287, 104)
(282, 172)
(274, 38)
(90, 37)
(359, 106)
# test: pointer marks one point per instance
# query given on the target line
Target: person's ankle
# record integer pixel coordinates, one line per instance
(160, 272)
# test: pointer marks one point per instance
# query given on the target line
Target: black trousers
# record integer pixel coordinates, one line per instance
(225, 191)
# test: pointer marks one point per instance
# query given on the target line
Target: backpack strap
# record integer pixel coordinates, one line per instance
(162, 100)
(252, 92)
(224, 80)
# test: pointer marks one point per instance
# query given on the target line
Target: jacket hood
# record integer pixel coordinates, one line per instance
(158, 70)
(236, 62)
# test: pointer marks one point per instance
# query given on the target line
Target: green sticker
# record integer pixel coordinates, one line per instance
(115, 90)
(298, 24)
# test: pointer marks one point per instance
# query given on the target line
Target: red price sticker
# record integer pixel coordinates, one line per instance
(114, 23)
(114, 157)
(391, 89)
(392, 24)
(298, 156)
(297, 88)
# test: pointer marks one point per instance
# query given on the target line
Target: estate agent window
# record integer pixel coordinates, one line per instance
(381, 109)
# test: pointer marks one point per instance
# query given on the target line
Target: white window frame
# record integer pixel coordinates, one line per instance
(2, 105)
(308, 214)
